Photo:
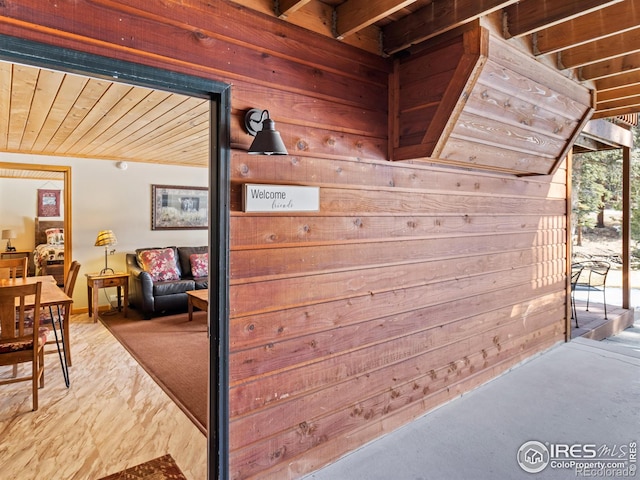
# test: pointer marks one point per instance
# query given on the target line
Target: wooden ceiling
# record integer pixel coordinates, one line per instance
(53, 113)
(596, 41)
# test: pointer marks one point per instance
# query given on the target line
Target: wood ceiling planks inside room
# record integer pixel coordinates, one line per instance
(54, 113)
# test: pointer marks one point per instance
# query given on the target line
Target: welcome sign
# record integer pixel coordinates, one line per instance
(280, 198)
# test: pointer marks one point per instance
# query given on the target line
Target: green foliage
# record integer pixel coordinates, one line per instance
(597, 184)
(589, 173)
(635, 186)
(597, 180)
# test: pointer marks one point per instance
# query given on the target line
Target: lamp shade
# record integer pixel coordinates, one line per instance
(9, 234)
(106, 238)
(268, 140)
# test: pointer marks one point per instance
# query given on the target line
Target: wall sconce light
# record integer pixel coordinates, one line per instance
(268, 140)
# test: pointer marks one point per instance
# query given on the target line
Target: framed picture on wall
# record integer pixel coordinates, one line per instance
(48, 203)
(179, 208)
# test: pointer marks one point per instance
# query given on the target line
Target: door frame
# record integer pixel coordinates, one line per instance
(219, 94)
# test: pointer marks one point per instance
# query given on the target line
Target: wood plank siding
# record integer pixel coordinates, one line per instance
(475, 101)
(414, 283)
(430, 86)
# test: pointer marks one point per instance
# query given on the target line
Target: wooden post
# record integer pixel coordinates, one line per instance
(569, 164)
(626, 226)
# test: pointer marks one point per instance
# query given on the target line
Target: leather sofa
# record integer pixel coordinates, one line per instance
(153, 292)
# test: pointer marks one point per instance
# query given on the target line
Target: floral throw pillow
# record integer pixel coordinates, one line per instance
(160, 264)
(199, 265)
(55, 236)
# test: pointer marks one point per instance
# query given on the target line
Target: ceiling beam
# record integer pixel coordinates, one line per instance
(616, 112)
(618, 81)
(284, 8)
(584, 143)
(529, 16)
(435, 19)
(354, 15)
(616, 103)
(608, 133)
(594, 26)
(600, 50)
(619, 93)
(608, 68)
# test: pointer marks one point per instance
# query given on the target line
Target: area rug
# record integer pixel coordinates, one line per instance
(160, 468)
(175, 353)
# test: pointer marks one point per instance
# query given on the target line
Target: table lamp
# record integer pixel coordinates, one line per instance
(8, 235)
(105, 239)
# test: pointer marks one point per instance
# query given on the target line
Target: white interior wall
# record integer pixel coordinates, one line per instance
(19, 207)
(103, 197)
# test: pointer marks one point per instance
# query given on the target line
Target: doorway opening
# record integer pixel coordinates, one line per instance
(217, 94)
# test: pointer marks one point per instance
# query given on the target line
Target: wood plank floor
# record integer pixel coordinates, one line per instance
(112, 417)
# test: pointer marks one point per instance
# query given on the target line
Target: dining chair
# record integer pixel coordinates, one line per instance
(57, 313)
(13, 267)
(20, 343)
(57, 317)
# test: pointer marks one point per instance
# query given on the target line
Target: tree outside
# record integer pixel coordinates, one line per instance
(597, 205)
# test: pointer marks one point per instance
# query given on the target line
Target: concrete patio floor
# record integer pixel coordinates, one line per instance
(582, 395)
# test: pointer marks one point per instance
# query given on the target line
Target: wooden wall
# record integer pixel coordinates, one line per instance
(413, 284)
(520, 116)
(429, 89)
(476, 101)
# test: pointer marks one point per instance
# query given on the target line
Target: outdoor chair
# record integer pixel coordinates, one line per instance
(596, 277)
(576, 271)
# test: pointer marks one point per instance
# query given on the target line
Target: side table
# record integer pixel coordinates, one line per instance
(96, 281)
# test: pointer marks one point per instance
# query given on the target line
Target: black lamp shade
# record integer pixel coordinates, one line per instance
(268, 140)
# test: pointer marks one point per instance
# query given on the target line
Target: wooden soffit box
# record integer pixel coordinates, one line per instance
(477, 102)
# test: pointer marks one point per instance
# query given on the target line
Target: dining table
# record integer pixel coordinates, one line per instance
(51, 297)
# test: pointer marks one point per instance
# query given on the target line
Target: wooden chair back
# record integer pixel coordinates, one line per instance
(26, 340)
(72, 276)
(13, 267)
(60, 314)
